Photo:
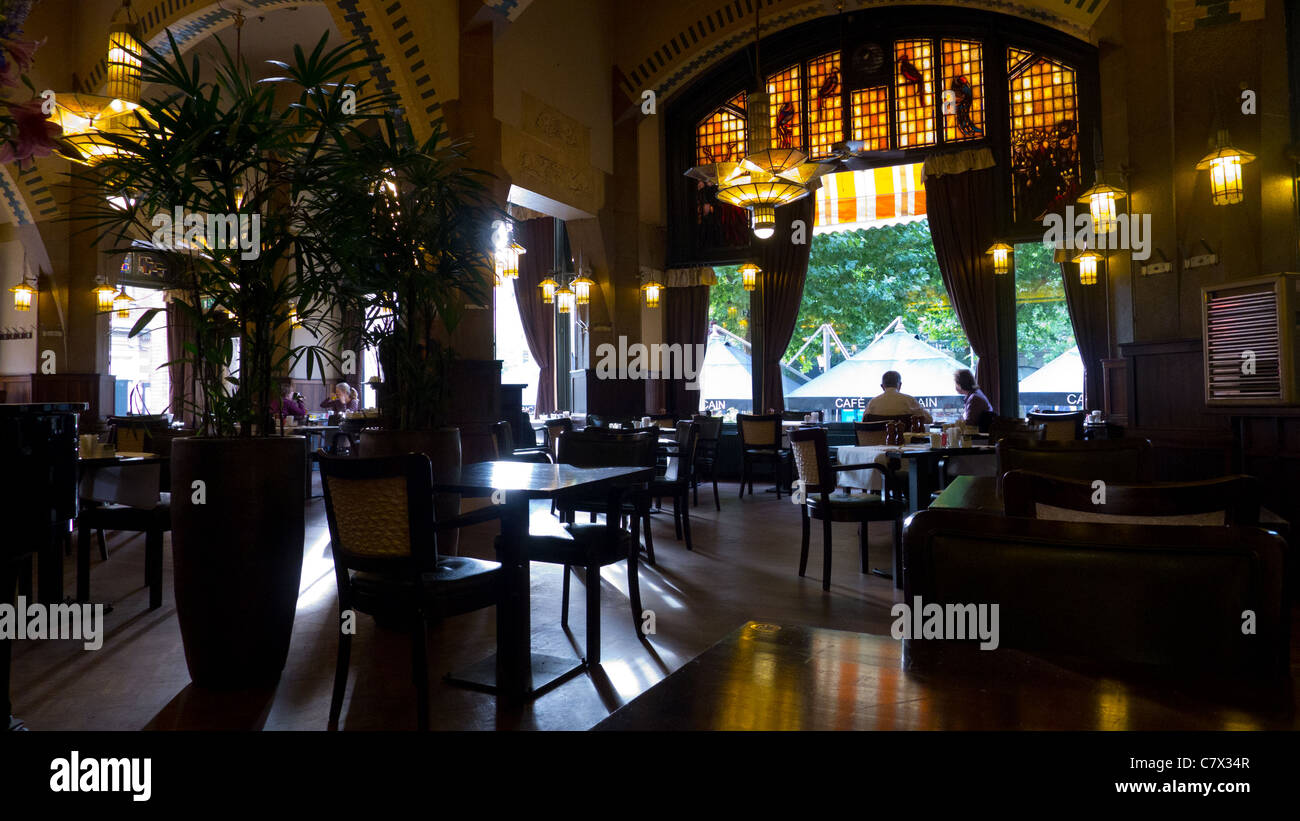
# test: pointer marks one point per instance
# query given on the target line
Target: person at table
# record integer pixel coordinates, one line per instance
(344, 399)
(978, 407)
(891, 401)
(289, 403)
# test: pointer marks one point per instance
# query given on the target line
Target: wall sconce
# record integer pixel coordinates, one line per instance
(653, 290)
(1224, 164)
(22, 295)
(507, 261)
(1101, 205)
(1002, 255)
(749, 275)
(1087, 262)
(582, 285)
(548, 287)
(564, 299)
(122, 303)
(104, 294)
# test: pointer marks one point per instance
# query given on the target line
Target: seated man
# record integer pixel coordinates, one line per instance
(891, 402)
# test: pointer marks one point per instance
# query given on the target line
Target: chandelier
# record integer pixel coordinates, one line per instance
(767, 177)
(86, 118)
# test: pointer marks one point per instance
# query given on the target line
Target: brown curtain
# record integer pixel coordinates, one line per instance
(180, 373)
(785, 266)
(961, 206)
(1087, 306)
(538, 318)
(686, 323)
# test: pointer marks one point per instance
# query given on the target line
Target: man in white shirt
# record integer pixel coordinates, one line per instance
(891, 402)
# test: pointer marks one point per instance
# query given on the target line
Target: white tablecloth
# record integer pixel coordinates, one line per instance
(868, 480)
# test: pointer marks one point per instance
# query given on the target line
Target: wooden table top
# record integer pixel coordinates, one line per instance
(121, 458)
(768, 676)
(536, 480)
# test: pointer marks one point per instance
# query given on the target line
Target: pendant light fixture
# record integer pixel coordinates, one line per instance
(86, 118)
(749, 275)
(104, 294)
(23, 293)
(653, 290)
(1002, 256)
(548, 287)
(564, 299)
(582, 285)
(1087, 261)
(768, 177)
(122, 303)
(1224, 164)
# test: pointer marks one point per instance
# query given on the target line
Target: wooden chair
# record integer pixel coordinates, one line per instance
(503, 436)
(384, 538)
(1061, 427)
(153, 522)
(817, 483)
(663, 420)
(760, 441)
(555, 428)
(706, 454)
(678, 478)
(1124, 461)
(870, 433)
(593, 546)
(1002, 427)
(1230, 500)
(1144, 597)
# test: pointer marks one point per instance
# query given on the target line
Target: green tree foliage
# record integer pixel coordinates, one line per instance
(858, 281)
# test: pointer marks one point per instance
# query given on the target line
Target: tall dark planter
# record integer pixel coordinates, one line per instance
(442, 446)
(238, 555)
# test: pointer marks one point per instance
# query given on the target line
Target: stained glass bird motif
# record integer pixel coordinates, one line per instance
(785, 124)
(965, 95)
(911, 74)
(829, 87)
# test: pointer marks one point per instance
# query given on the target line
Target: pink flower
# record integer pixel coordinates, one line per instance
(17, 60)
(35, 135)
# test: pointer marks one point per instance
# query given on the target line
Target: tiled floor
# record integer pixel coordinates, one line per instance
(743, 566)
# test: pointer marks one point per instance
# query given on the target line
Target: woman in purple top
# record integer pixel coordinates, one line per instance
(289, 404)
(977, 404)
(344, 398)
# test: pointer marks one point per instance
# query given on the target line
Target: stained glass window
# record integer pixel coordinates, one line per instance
(914, 95)
(1016, 56)
(1044, 136)
(786, 100)
(871, 117)
(825, 105)
(963, 80)
(721, 137)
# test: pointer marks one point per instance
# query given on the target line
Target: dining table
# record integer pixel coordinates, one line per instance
(514, 672)
(769, 675)
(922, 473)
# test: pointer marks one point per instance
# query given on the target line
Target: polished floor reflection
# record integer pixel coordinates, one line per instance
(743, 567)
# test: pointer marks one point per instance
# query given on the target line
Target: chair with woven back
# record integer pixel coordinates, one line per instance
(1228, 500)
(822, 501)
(874, 434)
(706, 454)
(383, 535)
(1064, 426)
(677, 479)
(760, 441)
(593, 546)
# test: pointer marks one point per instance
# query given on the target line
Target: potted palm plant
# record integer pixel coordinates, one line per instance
(415, 226)
(221, 176)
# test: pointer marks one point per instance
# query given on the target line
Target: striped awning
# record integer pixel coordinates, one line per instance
(871, 198)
